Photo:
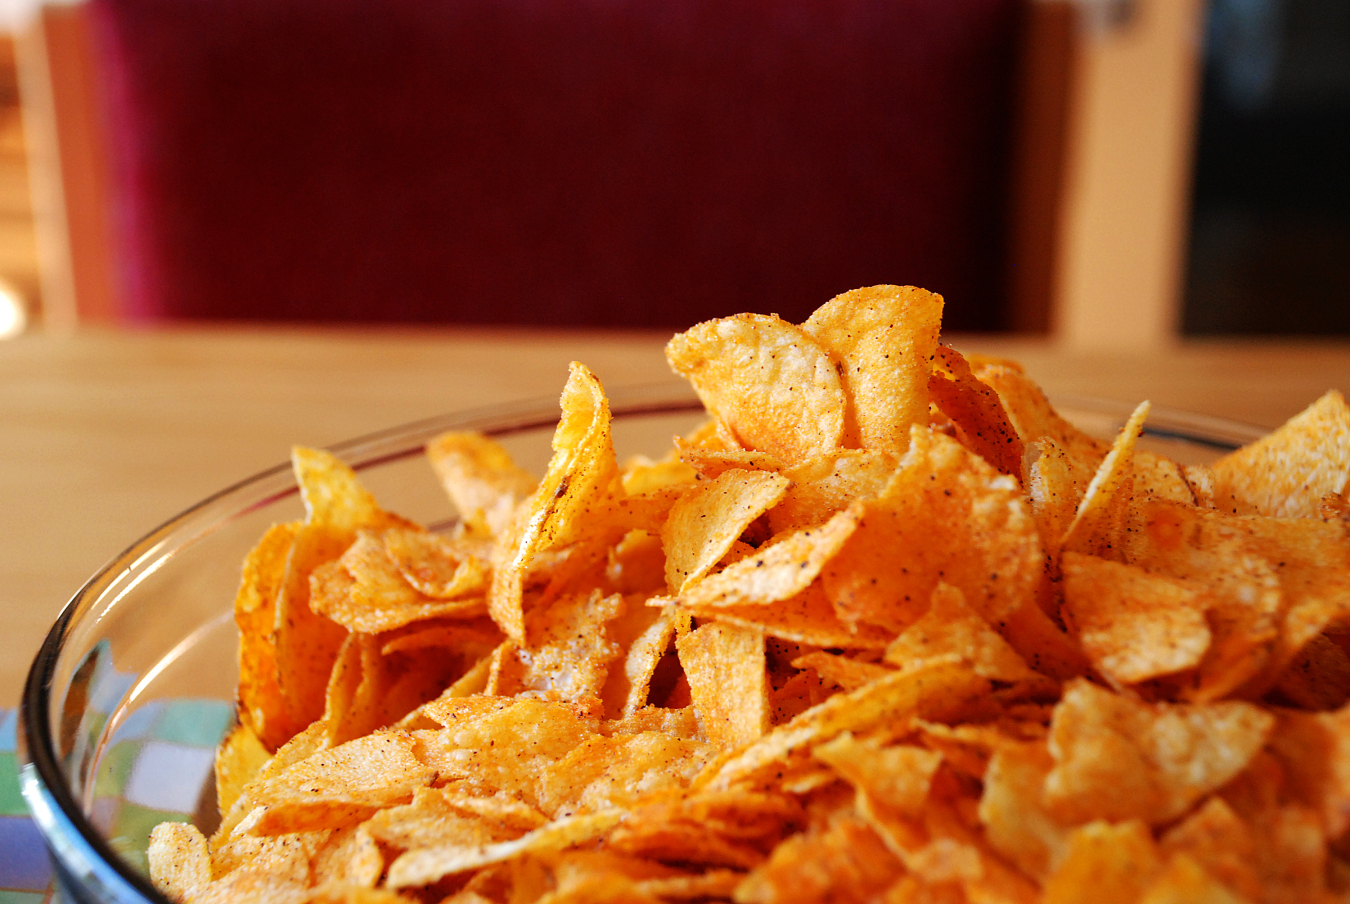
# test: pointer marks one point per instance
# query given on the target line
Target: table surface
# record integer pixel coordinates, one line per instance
(105, 434)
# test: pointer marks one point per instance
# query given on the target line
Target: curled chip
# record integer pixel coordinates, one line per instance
(885, 628)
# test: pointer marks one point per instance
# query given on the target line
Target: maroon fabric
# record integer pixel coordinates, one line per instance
(586, 162)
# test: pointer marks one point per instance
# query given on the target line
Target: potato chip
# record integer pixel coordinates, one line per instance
(307, 643)
(1183, 881)
(1132, 624)
(1099, 523)
(350, 864)
(947, 515)
(569, 652)
(421, 866)
(976, 412)
(644, 653)
(580, 478)
(341, 786)
(767, 380)
(366, 591)
(850, 674)
(260, 702)
(1052, 493)
(928, 690)
(1011, 809)
(705, 523)
(725, 668)
(777, 570)
(179, 863)
(720, 828)
(845, 862)
(1117, 759)
(480, 477)
(713, 461)
(808, 617)
(1106, 863)
(950, 629)
(822, 486)
(502, 743)
(432, 818)
(1287, 472)
(616, 771)
(1217, 839)
(882, 339)
(438, 567)
(899, 776)
(239, 758)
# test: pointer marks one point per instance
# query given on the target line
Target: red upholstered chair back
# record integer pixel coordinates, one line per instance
(634, 163)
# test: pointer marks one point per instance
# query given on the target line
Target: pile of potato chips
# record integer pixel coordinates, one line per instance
(887, 628)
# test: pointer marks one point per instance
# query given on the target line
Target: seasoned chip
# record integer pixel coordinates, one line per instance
(1134, 625)
(777, 570)
(1118, 759)
(366, 591)
(725, 668)
(580, 479)
(1099, 523)
(425, 865)
(179, 863)
(705, 523)
(947, 515)
(952, 629)
(480, 477)
(255, 612)
(439, 567)
(1287, 472)
(898, 776)
(341, 786)
(808, 617)
(1014, 816)
(976, 412)
(1107, 863)
(882, 339)
(767, 380)
(827, 484)
(238, 759)
(569, 652)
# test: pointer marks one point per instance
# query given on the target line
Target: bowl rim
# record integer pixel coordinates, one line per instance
(82, 855)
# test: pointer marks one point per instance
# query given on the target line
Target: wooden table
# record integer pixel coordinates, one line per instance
(103, 435)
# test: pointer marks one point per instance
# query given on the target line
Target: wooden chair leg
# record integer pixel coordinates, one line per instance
(68, 160)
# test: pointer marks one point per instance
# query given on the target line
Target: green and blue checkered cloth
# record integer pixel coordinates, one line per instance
(160, 759)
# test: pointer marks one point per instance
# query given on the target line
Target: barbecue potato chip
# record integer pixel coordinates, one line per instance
(1287, 472)
(704, 523)
(882, 339)
(975, 411)
(307, 642)
(1118, 759)
(725, 667)
(1099, 523)
(771, 384)
(579, 481)
(480, 477)
(1132, 624)
(779, 569)
(946, 515)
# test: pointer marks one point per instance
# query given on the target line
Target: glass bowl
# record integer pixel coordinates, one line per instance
(134, 685)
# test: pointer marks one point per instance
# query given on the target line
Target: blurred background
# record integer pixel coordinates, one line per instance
(1121, 173)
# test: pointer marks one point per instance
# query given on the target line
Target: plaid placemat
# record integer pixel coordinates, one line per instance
(157, 768)
(25, 872)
